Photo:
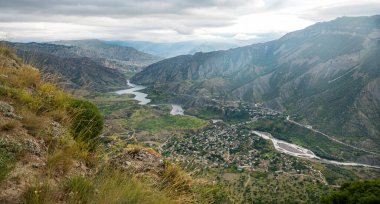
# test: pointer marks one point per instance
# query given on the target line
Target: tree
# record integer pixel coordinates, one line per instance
(357, 192)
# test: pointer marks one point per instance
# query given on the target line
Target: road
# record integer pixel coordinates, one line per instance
(328, 136)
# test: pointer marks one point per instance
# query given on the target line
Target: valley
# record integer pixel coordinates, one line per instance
(234, 152)
(285, 121)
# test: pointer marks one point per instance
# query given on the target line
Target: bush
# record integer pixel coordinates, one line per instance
(361, 192)
(87, 122)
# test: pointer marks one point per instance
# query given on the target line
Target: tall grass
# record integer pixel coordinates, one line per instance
(114, 186)
(78, 189)
(40, 193)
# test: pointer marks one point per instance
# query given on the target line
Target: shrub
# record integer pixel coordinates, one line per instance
(363, 192)
(78, 189)
(87, 122)
(6, 164)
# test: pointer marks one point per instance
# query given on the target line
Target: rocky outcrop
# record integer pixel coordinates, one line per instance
(138, 161)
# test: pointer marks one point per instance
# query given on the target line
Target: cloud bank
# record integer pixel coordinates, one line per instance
(168, 20)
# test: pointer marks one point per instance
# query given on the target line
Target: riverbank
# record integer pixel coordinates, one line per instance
(297, 151)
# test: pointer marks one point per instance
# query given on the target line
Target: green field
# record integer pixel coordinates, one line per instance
(170, 122)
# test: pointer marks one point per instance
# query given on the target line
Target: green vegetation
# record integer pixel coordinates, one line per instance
(38, 194)
(78, 189)
(119, 187)
(49, 144)
(156, 95)
(336, 175)
(207, 112)
(361, 192)
(87, 123)
(6, 164)
(126, 117)
(319, 144)
(213, 194)
(169, 122)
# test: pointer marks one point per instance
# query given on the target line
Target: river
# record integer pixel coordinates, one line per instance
(143, 99)
(281, 146)
(297, 151)
(138, 96)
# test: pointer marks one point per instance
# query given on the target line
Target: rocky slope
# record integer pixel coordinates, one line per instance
(327, 74)
(72, 69)
(49, 153)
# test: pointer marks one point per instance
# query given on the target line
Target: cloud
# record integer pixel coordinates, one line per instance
(167, 20)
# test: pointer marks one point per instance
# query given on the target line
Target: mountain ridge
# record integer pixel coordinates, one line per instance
(73, 71)
(317, 73)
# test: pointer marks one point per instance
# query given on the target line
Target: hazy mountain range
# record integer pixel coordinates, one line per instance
(166, 50)
(328, 74)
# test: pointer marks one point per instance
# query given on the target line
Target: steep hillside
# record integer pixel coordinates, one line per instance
(327, 74)
(115, 56)
(74, 71)
(51, 151)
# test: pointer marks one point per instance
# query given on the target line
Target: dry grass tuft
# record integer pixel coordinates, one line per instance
(10, 125)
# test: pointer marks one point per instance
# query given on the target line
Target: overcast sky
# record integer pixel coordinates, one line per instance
(168, 20)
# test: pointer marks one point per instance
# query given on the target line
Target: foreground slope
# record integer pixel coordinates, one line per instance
(328, 74)
(51, 151)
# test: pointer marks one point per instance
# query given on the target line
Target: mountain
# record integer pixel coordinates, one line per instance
(166, 50)
(73, 70)
(115, 56)
(327, 74)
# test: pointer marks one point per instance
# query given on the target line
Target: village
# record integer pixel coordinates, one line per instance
(234, 146)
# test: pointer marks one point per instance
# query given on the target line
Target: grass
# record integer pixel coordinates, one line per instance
(40, 103)
(10, 125)
(38, 194)
(174, 180)
(169, 122)
(78, 189)
(114, 186)
(33, 123)
(6, 164)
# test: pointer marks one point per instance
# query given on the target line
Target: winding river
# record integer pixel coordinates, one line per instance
(139, 96)
(143, 99)
(279, 145)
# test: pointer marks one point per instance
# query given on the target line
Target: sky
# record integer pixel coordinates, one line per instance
(169, 20)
